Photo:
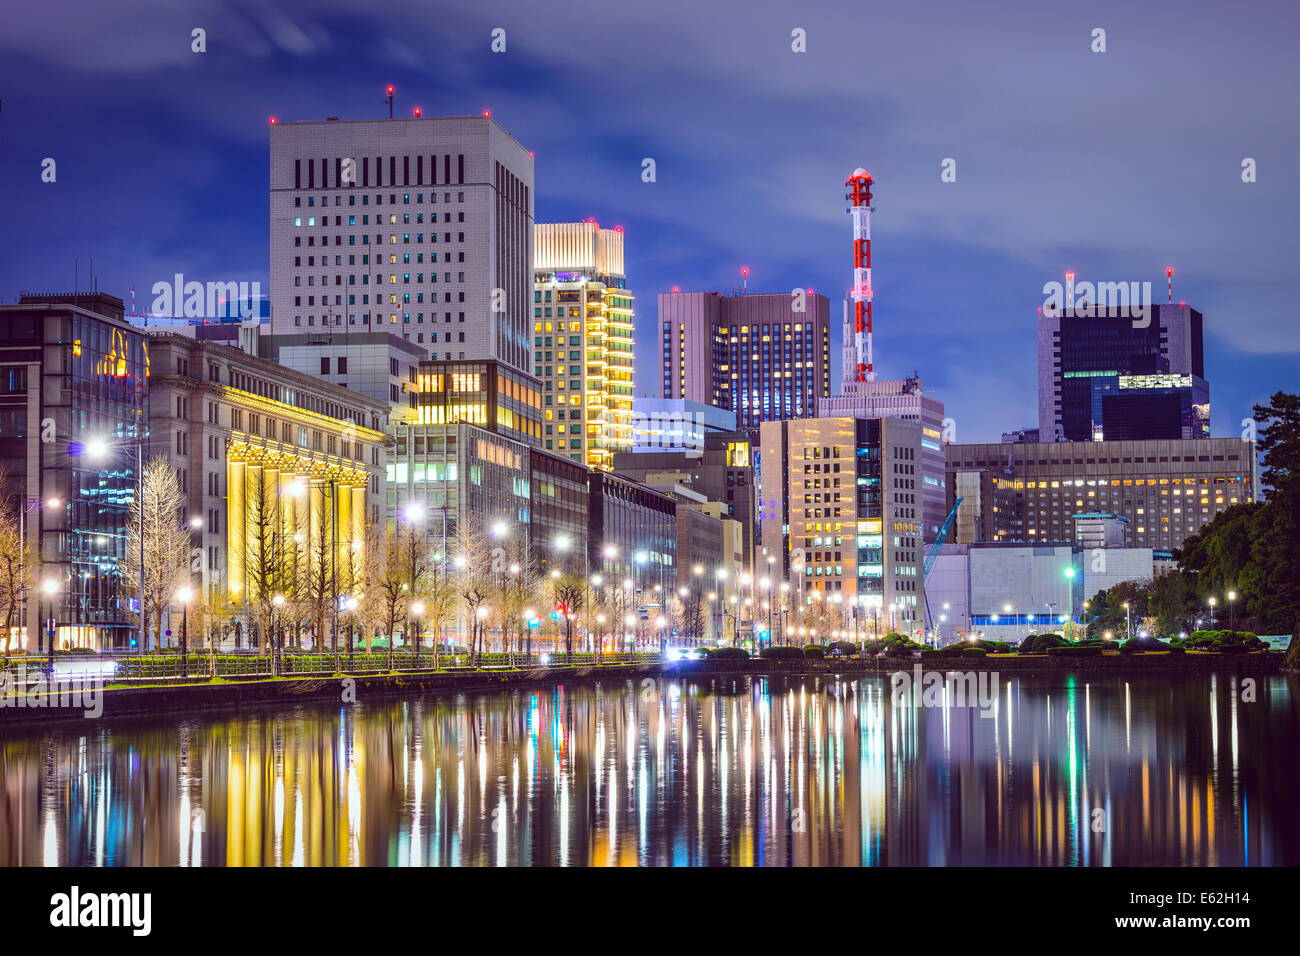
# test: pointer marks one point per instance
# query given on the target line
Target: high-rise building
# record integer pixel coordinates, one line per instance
(767, 357)
(419, 227)
(842, 511)
(906, 399)
(582, 340)
(1031, 492)
(1116, 374)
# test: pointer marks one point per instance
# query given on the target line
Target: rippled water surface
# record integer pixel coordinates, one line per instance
(1065, 772)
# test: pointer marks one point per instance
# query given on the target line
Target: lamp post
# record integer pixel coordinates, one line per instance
(185, 595)
(1128, 619)
(1069, 577)
(1232, 620)
(417, 610)
(49, 588)
(1213, 602)
(351, 607)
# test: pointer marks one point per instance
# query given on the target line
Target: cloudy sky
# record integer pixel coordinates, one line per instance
(1113, 164)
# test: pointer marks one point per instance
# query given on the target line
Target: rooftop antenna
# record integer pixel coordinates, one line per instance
(1169, 274)
(389, 100)
(744, 280)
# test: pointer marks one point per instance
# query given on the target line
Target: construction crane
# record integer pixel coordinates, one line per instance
(933, 554)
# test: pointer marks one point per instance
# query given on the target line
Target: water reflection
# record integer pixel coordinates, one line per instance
(1067, 773)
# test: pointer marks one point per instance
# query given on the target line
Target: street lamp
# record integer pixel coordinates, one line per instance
(1213, 602)
(1232, 621)
(185, 595)
(1128, 619)
(417, 610)
(50, 587)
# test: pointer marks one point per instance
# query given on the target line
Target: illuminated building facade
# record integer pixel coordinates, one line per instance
(1030, 492)
(73, 371)
(486, 393)
(639, 526)
(377, 364)
(1105, 374)
(842, 508)
(767, 357)
(722, 471)
(459, 472)
(582, 340)
(904, 398)
(282, 472)
(421, 227)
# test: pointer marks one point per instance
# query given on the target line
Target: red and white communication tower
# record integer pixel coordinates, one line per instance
(859, 195)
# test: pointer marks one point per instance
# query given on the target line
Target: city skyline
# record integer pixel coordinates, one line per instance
(750, 175)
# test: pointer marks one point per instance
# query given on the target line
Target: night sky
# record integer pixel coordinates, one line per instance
(1112, 164)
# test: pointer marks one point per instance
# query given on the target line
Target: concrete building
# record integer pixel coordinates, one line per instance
(1005, 592)
(1166, 489)
(263, 452)
(418, 227)
(722, 471)
(841, 507)
(582, 340)
(1100, 530)
(676, 425)
(1105, 375)
(905, 399)
(379, 365)
(764, 356)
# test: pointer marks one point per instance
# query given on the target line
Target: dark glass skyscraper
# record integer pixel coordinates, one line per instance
(1103, 375)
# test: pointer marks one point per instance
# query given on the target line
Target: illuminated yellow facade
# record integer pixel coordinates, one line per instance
(582, 341)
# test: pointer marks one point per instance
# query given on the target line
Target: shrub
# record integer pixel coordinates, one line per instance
(781, 653)
(729, 654)
(842, 649)
(973, 652)
(813, 651)
(1177, 649)
(1071, 650)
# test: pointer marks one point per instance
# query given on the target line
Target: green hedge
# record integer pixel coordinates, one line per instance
(814, 652)
(781, 652)
(1075, 651)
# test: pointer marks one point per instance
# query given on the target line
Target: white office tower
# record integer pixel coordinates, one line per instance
(419, 227)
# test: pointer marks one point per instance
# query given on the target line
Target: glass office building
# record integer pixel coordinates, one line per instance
(73, 408)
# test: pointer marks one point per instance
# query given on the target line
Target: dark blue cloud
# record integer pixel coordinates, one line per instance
(1112, 164)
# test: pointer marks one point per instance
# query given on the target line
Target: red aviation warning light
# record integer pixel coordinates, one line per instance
(416, 112)
(859, 196)
(274, 121)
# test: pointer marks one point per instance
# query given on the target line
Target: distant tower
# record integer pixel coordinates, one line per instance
(859, 195)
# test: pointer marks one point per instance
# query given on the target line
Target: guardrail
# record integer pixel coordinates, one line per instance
(142, 668)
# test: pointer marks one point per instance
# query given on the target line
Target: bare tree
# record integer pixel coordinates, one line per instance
(17, 569)
(570, 592)
(394, 595)
(166, 542)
